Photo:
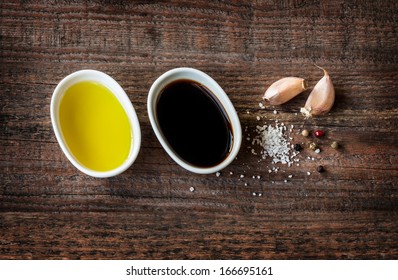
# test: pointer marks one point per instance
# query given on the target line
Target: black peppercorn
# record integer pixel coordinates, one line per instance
(320, 169)
(297, 147)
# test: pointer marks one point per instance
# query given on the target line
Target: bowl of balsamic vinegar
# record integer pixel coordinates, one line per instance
(194, 120)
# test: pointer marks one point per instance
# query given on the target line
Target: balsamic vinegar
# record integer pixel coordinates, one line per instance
(194, 123)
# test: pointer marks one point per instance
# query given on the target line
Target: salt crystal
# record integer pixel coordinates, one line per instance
(191, 189)
(218, 174)
(317, 151)
(290, 176)
(258, 118)
(308, 173)
(275, 144)
(275, 112)
(242, 176)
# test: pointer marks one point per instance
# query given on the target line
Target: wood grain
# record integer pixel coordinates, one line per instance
(49, 210)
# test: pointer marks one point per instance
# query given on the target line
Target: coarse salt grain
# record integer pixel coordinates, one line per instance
(275, 144)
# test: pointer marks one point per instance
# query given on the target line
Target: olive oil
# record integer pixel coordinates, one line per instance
(95, 126)
(194, 123)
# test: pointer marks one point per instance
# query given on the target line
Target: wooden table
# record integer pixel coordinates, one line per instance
(50, 210)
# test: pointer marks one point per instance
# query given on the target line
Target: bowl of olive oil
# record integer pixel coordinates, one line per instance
(95, 123)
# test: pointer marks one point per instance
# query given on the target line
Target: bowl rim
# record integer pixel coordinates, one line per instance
(122, 97)
(186, 73)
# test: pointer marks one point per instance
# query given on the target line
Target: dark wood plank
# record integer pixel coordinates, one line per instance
(49, 210)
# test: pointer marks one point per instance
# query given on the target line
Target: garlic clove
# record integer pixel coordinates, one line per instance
(284, 89)
(321, 98)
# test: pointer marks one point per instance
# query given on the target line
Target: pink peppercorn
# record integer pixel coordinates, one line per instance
(319, 133)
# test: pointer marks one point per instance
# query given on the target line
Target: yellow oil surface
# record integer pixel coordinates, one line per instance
(95, 126)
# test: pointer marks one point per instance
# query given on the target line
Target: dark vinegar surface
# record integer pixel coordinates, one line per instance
(194, 123)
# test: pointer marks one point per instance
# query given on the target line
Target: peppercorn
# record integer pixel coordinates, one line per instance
(313, 146)
(319, 133)
(305, 133)
(320, 169)
(335, 145)
(297, 147)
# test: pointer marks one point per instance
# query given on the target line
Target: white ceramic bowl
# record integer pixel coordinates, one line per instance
(204, 79)
(116, 89)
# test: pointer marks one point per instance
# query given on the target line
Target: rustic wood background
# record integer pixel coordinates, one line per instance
(49, 210)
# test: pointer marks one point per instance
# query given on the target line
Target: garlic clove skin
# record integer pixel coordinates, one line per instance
(284, 89)
(321, 98)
